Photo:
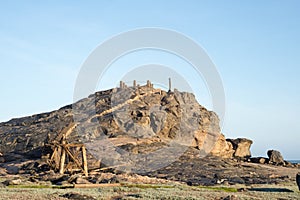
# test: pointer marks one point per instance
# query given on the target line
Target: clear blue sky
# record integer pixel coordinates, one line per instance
(254, 44)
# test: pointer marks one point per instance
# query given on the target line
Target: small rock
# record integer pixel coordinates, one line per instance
(260, 160)
(275, 157)
(242, 189)
(288, 164)
(80, 180)
(73, 178)
(298, 180)
(231, 197)
(62, 183)
(12, 182)
(12, 169)
(236, 180)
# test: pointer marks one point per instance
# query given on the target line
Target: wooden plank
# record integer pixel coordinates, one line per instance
(97, 185)
(84, 161)
(74, 145)
(62, 161)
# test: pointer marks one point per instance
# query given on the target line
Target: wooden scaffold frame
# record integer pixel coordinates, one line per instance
(68, 157)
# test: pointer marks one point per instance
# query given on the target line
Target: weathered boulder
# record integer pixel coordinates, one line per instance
(241, 147)
(222, 148)
(275, 157)
(298, 180)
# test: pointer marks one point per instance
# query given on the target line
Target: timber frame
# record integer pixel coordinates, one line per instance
(68, 157)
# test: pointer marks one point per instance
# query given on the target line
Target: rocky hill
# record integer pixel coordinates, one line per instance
(156, 136)
(138, 120)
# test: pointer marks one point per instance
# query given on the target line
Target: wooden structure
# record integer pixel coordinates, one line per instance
(68, 157)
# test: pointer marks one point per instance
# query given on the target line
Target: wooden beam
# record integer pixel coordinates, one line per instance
(73, 145)
(97, 185)
(62, 161)
(84, 161)
(66, 131)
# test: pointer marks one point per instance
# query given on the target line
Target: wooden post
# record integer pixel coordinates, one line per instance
(170, 85)
(121, 84)
(84, 161)
(134, 83)
(148, 83)
(62, 159)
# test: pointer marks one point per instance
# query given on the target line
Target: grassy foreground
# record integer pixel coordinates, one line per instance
(142, 191)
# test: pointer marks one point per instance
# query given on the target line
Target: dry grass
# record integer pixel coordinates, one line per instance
(143, 191)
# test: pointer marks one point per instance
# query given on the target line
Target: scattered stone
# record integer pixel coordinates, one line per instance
(230, 197)
(275, 157)
(77, 196)
(288, 164)
(12, 169)
(56, 178)
(241, 147)
(12, 182)
(242, 189)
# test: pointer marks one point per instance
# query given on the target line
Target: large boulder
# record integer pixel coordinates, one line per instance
(298, 180)
(275, 157)
(222, 148)
(241, 147)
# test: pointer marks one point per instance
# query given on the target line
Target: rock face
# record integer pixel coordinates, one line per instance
(140, 119)
(241, 147)
(275, 157)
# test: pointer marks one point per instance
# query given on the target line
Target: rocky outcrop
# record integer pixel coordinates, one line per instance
(275, 157)
(241, 147)
(223, 148)
(143, 118)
